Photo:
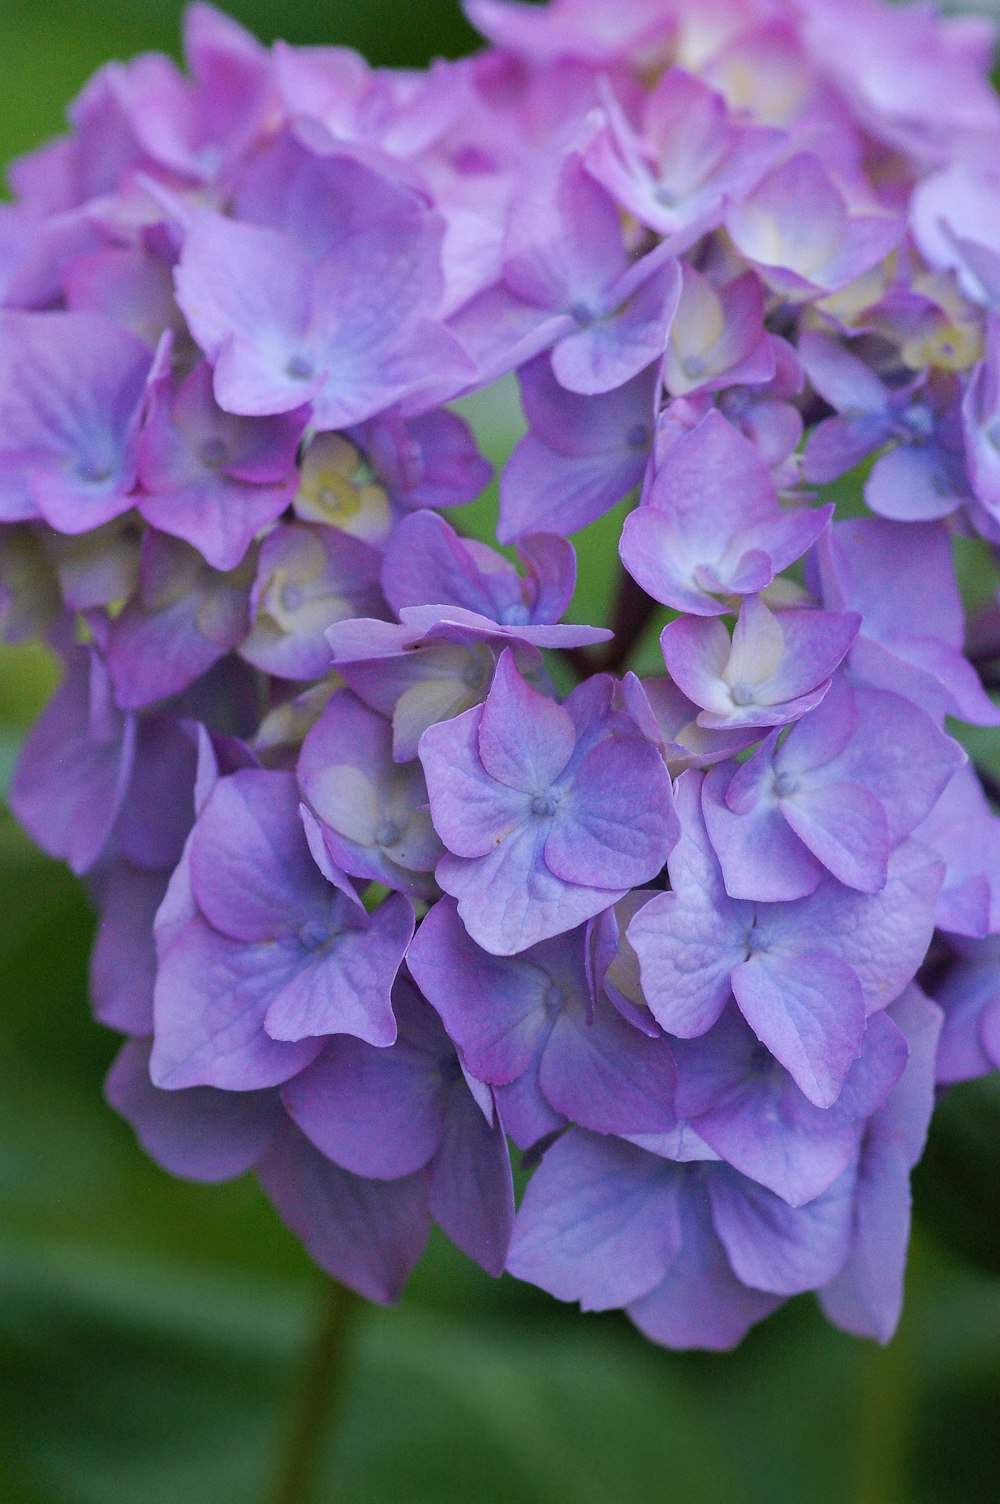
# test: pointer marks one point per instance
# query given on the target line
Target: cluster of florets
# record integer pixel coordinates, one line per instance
(379, 889)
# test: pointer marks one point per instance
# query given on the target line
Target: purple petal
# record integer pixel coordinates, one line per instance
(472, 812)
(252, 325)
(883, 937)
(200, 1133)
(74, 769)
(616, 826)
(493, 1007)
(211, 997)
(471, 1186)
(845, 827)
(759, 856)
(611, 351)
(509, 899)
(251, 869)
(606, 1075)
(346, 987)
(123, 960)
(700, 1302)
(809, 1011)
(598, 1222)
(525, 739)
(376, 1112)
(72, 386)
(776, 1247)
(367, 1233)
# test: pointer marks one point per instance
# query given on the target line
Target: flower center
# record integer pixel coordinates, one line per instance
(314, 934)
(213, 454)
(388, 833)
(94, 472)
(545, 805)
(756, 941)
(918, 423)
(554, 1000)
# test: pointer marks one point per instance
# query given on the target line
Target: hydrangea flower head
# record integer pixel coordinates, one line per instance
(404, 866)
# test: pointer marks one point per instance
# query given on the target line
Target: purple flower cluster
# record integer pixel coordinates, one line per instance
(380, 887)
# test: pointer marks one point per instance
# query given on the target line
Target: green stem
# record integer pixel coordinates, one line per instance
(882, 1463)
(320, 1390)
(887, 1399)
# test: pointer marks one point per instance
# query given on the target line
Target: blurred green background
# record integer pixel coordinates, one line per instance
(152, 1332)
